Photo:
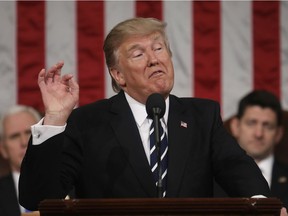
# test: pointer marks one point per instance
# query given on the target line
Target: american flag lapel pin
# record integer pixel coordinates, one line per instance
(183, 124)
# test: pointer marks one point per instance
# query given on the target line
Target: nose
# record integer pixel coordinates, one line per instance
(259, 131)
(152, 59)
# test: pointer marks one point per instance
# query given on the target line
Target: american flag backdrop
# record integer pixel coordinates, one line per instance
(221, 49)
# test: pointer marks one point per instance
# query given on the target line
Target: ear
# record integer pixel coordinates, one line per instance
(234, 125)
(279, 135)
(117, 76)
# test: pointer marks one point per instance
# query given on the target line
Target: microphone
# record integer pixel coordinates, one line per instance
(155, 108)
(155, 105)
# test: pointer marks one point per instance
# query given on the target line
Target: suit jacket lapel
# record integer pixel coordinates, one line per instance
(129, 138)
(179, 141)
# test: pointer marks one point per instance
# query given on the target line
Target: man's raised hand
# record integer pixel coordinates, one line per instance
(60, 94)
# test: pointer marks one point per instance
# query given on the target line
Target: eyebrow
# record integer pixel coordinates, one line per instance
(135, 46)
(16, 134)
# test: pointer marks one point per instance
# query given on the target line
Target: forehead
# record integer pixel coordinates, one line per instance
(137, 40)
(19, 120)
(260, 113)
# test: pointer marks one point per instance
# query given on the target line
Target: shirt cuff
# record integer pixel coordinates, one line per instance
(41, 133)
(258, 196)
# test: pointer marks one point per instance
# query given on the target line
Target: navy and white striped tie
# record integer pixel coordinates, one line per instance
(154, 157)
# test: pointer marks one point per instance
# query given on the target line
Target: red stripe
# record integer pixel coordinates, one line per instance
(90, 33)
(30, 51)
(207, 49)
(149, 9)
(266, 39)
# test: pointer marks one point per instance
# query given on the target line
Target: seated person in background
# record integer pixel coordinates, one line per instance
(103, 148)
(258, 128)
(15, 130)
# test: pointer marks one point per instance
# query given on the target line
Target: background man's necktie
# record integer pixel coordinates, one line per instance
(154, 157)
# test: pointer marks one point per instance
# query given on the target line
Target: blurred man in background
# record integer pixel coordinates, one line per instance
(14, 134)
(258, 128)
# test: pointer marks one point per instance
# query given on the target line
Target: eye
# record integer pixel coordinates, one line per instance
(28, 132)
(250, 123)
(270, 126)
(158, 48)
(137, 54)
(14, 136)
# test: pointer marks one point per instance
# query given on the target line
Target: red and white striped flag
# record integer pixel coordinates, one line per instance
(221, 49)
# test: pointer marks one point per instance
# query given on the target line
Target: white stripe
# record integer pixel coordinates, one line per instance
(61, 35)
(115, 12)
(284, 52)
(164, 153)
(154, 167)
(152, 149)
(162, 136)
(8, 60)
(177, 14)
(151, 131)
(237, 77)
(164, 174)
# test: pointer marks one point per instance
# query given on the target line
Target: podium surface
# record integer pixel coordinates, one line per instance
(161, 206)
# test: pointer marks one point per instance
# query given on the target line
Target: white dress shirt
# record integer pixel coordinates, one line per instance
(144, 123)
(266, 167)
(16, 176)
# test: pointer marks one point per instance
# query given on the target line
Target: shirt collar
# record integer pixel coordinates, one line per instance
(139, 110)
(266, 164)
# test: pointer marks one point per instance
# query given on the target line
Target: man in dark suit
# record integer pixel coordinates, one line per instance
(14, 135)
(258, 128)
(103, 150)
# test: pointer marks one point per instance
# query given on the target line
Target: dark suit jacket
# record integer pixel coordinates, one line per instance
(8, 198)
(101, 153)
(279, 184)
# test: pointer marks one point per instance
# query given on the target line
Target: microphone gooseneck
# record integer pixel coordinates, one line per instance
(155, 108)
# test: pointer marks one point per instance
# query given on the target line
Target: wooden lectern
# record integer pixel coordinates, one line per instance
(162, 207)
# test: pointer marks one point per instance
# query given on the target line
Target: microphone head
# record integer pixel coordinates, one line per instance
(155, 105)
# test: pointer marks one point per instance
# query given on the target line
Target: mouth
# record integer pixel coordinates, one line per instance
(156, 73)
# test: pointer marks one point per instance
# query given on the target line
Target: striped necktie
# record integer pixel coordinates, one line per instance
(154, 158)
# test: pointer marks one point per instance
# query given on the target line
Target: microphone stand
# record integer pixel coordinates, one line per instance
(157, 123)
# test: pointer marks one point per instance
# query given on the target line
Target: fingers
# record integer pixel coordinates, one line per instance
(54, 73)
(52, 79)
(41, 76)
(70, 83)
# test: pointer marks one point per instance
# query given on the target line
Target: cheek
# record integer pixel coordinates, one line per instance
(13, 148)
(244, 135)
(271, 138)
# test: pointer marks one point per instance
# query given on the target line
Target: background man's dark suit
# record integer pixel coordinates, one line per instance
(279, 184)
(8, 198)
(104, 157)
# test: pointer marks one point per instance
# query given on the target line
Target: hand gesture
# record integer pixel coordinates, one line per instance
(60, 94)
